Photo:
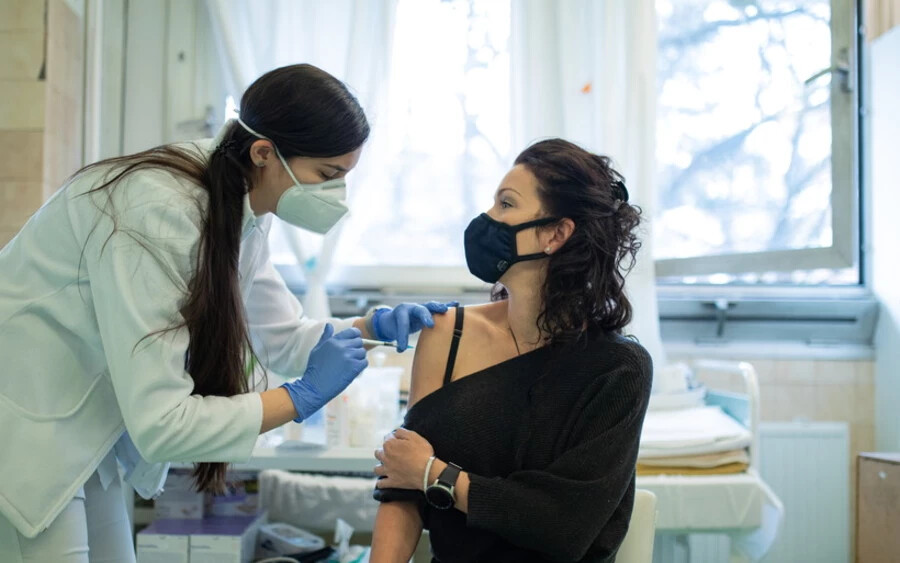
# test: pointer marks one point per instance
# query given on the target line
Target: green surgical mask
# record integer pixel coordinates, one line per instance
(314, 207)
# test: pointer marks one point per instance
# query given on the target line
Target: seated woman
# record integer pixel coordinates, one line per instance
(525, 413)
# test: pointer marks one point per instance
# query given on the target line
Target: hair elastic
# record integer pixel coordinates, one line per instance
(225, 146)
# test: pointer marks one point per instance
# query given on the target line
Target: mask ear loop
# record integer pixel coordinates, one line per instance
(542, 222)
(274, 146)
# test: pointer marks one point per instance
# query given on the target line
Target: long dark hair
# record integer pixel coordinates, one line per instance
(585, 284)
(306, 112)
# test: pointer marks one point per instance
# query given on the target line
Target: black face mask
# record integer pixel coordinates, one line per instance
(491, 246)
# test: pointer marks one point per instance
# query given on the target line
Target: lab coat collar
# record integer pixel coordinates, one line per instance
(249, 220)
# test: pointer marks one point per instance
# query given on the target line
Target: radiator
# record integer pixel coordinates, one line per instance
(807, 464)
(808, 467)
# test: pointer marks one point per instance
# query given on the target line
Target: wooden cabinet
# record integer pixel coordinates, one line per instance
(878, 508)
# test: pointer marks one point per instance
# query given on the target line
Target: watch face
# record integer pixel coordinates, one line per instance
(439, 497)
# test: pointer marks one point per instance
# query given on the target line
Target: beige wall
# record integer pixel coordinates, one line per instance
(22, 100)
(881, 16)
(842, 391)
(41, 85)
(64, 108)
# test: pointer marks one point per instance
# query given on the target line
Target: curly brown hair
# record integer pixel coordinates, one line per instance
(585, 284)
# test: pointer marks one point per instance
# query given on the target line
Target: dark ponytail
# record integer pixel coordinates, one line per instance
(219, 346)
(306, 112)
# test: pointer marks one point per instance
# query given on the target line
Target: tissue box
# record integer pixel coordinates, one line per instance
(179, 500)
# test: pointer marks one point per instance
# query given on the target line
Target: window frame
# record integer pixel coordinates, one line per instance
(758, 322)
(354, 289)
(847, 225)
(845, 250)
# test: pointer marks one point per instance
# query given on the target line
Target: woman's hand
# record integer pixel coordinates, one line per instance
(403, 458)
(333, 364)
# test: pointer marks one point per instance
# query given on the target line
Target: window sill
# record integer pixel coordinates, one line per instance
(768, 350)
(710, 321)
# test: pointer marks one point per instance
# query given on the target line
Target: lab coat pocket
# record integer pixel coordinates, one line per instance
(51, 364)
(71, 408)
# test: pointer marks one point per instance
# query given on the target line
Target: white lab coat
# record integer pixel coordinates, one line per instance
(75, 304)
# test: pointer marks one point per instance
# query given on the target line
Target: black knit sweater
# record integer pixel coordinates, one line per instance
(550, 441)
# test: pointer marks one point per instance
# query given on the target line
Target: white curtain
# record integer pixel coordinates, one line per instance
(585, 70)
(350, 39)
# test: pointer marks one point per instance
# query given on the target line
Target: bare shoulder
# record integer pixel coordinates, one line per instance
(433, 347)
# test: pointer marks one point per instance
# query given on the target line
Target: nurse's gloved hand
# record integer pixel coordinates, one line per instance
(398, 323)
(333, 364)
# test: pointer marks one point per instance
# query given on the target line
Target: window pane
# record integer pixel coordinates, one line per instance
(442, 145)
(743, 145)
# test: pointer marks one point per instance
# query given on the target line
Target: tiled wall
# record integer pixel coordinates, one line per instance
(22, 101)
(41, 83)
(842, 391)
(63, 132)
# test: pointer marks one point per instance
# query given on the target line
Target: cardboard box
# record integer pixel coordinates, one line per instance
(164, 541)
(215, 539)
(226, 539)
(878, 508)
(241, 497)
(179, 500)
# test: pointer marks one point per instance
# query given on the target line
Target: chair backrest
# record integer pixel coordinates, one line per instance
(637, 547)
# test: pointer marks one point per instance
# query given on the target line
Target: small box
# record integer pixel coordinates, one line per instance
(878, 508)
(226, 539)
(241, 497)
(164, 541)
(179, 500)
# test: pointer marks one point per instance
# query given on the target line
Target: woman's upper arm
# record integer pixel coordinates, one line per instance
(430, 360)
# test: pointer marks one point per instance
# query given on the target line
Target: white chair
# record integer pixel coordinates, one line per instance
(637, 547)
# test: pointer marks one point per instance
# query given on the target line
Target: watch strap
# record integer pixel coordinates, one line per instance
(449, 475)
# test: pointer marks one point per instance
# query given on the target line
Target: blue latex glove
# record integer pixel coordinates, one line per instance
(333, 364)
(401, 321)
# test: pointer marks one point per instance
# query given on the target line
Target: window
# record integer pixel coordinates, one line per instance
(445, 137)
(756, 145)
(442, 146)
(756, 142)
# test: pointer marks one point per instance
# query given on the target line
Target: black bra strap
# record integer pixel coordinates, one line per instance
(454, 344)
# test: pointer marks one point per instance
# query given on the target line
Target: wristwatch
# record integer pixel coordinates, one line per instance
(442, 493)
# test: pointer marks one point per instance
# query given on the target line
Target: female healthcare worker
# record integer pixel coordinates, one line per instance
(133, 301)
